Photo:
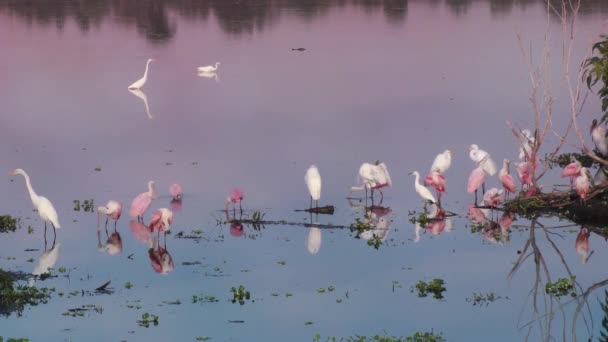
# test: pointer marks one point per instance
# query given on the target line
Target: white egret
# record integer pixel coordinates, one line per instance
(373, 176)
(209, 68)
(140, 82)
(528, 142)
(598, 135)
(483, 158)
(44, 207)
(423, 191)
(442, 162)
(313, 182)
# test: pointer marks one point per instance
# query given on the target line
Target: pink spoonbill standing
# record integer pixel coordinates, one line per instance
(142, 202)
(176, 191)
(493, 197)
(582, 184)
(161, 220)
(436, 180)
(476, 179)
(112, 210)
(235, 196)
(504, 175)
(572, 170)
(524, 174)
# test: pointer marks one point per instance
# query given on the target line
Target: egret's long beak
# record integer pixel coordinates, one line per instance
(411, 173)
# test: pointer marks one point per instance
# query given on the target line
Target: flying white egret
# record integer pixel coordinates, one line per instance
(44, 207)
(209, 68)
(313, 182)
(140, 82)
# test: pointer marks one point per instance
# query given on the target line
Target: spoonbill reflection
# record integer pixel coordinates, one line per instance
(113, 245)
(143, 97)
(209, 75)
(313, 241)
(112, 209)
(141, 232)
(313, 182)
(424, 193)
(142, 202)
(140, 82)
(208, 68)
(376, 218)
(160, 259)
(582, 245)
(373, 176)
(43, 206)
(598, 135)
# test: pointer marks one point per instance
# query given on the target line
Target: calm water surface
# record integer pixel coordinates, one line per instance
(396, 81)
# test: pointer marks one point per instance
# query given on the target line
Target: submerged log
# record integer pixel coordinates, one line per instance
(593, 210)
(327, 210)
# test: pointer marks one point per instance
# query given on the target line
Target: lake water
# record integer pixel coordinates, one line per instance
(397, 81)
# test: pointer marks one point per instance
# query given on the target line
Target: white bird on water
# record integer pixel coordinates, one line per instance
(209, 68)
(482, 157)
(442, 162)
(423, 191)
(373, 176)
(140, 82)
(313, 182)
(44, 207)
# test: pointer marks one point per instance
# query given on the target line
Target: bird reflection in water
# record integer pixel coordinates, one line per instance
(209, 75)
(494, 231)
(376, 218)
(47, 260)
(113, 245)
(142, 96)
(582, 245)
(160, 258)
(439, 221)
(141, 232)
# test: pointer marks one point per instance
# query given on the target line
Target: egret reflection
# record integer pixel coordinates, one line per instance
(47, 260)
(139, 93)
(313, 240)
(209, 75)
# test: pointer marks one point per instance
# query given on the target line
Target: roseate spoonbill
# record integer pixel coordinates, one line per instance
(598, 135)
(142, 202)
(235, 196)
(482, 158)
(43, 206)
(442, 162)
(437, 180)
(161, 220)
(313, 182)
(582, 183)
(528, 142)
(572, 170)
(209, 68)
(313, 241)
(112, 209)
(476, 179)
(422, 191)
(140, 82)
(492, 198)
(524, 174)
(373, 176)
(176, 191)
(504, 175)
(582, 245)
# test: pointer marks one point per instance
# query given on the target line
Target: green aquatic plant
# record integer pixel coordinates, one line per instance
(435, 287)
(483, 298)
(14, 298)
(359, 226)
(429, 336)
(87, 205)
(81, 310)
(9, 224)
(147, 319)
(128, 285)
(422, 218)
(203, 338)
(561, 287)
(240, 295)
(375, 241)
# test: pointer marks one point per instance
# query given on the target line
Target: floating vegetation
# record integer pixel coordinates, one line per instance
(128, 285)
(9, 223)
(421, 218)
(483, 299)
(147, 319)
(359, 227)
(240, 295)
(281, 262)
(204, 299)
(308, 323)
(15, 339)
(321, 290)
(14, 298)
(97, 169)
(191, 263)
(375, 241)
(561, 287)
(257, 216)
(417, 337)
(435, 287)
(202, 338)
(175, 302)
(80, 311)
(86, 206)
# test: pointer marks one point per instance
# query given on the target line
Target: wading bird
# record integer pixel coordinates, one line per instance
(504, 175)
(598, 135)
(442, 162)
(528, 142)
(43, 206)
(112, 209)
(140, 82)
(176, 191)
(161, 220)
(572, 170)
(493, 197)
(482, 158)
(437, 180)
(524, 174)
(313, 182)
(142, 202)
(208, 68)
(476, 179)
(235, 196)
(373, 176)
(426, 195)
(582, 183)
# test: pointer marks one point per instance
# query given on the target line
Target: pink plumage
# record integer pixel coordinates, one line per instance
(582, 184)
(140, 204)
(477, 177)
(493, 197)
(524, 174)
(572, 170)
(506, 221)
(508, 183)
(161, 220)
(437, 180)
(236, 195)
(582, 245)
(475, 215)
(176, 191)
(140, 231)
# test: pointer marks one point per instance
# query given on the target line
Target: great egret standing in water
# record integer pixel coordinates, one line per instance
(140, 82)
(442, 162)
(313, 182)
(44, 207)
(209, 68)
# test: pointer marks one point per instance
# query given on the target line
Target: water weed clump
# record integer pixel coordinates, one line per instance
(435, 287)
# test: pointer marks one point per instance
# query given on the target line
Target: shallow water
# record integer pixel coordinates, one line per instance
(396, 81)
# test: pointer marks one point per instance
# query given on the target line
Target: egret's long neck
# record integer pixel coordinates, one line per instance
(151, 189)
(417, 180)
(146, 72)
(33, 194)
